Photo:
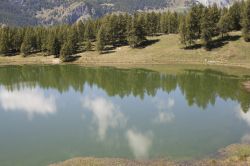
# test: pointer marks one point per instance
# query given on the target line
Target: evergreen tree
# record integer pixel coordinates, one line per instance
(206, 29)
(214, 17)
(224, 24)
(173, 23)
(194, 21)
(17, 39)
(54, 45)
(100, 44)
(136, 35)
(164, 23)
(88, 45)
(5, 44)
(80, 31)
(89, 31)
(246, 21)
(190, 32)
(183, 31)
(72, 37)
(28, 43)
(66, 52)
(235, 16)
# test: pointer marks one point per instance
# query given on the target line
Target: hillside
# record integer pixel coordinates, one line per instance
(162, 50)
(46, 12)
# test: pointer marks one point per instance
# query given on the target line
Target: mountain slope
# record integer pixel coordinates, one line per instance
(30, 12)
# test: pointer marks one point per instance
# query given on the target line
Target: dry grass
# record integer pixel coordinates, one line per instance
(166, 51)
(169, 51)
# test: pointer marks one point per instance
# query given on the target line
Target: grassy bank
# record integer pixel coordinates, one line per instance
(236, 154)
(164, 49)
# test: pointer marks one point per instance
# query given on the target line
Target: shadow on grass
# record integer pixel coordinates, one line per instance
(148, 43)
(220, 42)
(217, 43)
(72, 58)
(193, 47)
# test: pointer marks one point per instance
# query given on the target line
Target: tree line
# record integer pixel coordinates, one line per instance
(204, 23)
(114, 30)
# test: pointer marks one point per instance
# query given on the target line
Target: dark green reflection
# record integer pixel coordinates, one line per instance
(198, 87)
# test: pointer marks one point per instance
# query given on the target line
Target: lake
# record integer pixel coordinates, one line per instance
(54, 113)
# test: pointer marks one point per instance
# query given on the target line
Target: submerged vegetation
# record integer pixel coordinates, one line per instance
(123, 29)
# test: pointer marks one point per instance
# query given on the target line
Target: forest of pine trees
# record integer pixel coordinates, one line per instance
(123, 29)
(204, 23)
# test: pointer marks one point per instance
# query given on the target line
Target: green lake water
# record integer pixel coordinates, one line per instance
(54, 113)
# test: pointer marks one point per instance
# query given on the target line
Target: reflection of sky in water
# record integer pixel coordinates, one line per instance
(106, 114)
(94, 124)
(246, 118)
(30, 101)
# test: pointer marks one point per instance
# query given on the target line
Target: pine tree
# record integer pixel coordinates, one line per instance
(17, 39)
(28, 43)
(224, 24)
(72, 37)
(89, 31)
(206, 29)
(246, 22)
(194, 22)
(5, 44)
(235, 16)
(136, 35)
(80, 31)
(88, 45)
(100, 44)
(53, 46)
(190, 32)
(183, 31)
(214, 17)
(164, 23)
(66, 52)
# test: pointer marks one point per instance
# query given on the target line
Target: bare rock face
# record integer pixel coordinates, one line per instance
(220, 3)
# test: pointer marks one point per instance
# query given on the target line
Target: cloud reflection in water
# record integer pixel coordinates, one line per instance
(139, 143)
(106, 114)
(30, 101)
(163, 106)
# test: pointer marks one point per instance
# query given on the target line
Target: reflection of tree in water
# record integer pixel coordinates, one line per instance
(200, 88)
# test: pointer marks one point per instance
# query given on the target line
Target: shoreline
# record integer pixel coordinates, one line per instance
(234, 154)
(49, 60)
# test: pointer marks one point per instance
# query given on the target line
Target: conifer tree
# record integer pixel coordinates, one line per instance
(214, 17)
(28, 42)
(89, 31)
(136, 35)
(66, 52)
(206, 29)
(100, 44)
(183, 31)
(164, 23)
(224, 24)
(53, 46)
(235, 16)
(190, 32)
(5, 44)
(246, 22)
(88, 45)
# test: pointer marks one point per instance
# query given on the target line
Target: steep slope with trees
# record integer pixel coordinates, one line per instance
(31, 12)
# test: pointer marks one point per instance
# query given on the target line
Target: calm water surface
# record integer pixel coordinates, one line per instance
(53, 113)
